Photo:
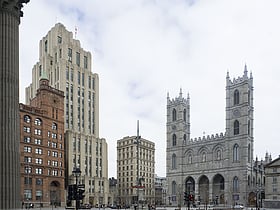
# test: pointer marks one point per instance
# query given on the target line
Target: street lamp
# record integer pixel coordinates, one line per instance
(76, 173)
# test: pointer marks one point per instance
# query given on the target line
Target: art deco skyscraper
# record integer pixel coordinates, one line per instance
(68, 67)
(10, 13)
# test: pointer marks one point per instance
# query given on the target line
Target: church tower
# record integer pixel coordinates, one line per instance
(239, 132)
(177, 134)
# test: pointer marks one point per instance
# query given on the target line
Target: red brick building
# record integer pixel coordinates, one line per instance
(42, 148)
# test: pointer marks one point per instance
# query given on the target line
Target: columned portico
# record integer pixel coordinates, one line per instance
(10, 13)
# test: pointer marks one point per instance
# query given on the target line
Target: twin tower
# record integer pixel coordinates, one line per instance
(214, 168)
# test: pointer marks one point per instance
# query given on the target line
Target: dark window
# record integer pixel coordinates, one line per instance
(174, 115)
(236, 97)
(236, 127)
(174, 140)
(78, 58)
(70, 54)
(59, 39)
(85, 62)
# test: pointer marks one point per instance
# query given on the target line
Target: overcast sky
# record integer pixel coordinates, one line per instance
(143, 49)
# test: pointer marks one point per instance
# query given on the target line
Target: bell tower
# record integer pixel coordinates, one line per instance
(239, 116)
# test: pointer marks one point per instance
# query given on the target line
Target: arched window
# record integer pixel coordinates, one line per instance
(174, 186)
(235, 153)
(174, 115)
(54, 126)
(185, 115)
(235, 184)
(38, 121)
(249, 127)
(236, 97)
(236, 127)
(249, 153)
(174, 140)
(173, 164)
(249, 180)
(26, 118)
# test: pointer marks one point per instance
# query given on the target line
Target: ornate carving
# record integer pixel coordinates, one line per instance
(13, 6)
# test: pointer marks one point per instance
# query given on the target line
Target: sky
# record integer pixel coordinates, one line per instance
(144, 49)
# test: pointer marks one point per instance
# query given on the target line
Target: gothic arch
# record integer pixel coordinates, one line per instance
(218, 152)
(203, 189)
(203, 154)
(188, 156)
(189, 185)
(218, 187)
(174, 115)
(236, 97)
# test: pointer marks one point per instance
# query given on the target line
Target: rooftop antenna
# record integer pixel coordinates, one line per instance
(76, 30)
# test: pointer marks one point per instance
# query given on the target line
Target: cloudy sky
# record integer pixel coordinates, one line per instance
(143, 49)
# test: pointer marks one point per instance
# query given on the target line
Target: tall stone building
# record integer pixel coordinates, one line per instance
(68, 67)
(42, 148)
(135, 171)
(218, 168)
(10, 13)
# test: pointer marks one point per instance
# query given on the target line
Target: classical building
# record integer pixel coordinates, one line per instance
(135, 171)
(42, 148)
(216, 169)
(10, 13)
(68, 67)
(160, 191)
(272, 184)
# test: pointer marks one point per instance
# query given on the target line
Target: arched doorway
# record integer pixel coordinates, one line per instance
(203, 190)
(218, 189)
(190, 186)
(55, 199)
(252, 199)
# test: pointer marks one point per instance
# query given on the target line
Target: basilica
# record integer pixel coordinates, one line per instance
(214, 169)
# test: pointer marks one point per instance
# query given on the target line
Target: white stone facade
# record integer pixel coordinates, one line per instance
(68, 67)
(216, 169)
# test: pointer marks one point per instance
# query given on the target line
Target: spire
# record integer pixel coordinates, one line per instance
(180, 92)
(245, 71)
(44, 78)
(188, 97)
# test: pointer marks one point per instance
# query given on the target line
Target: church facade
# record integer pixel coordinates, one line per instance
(215, 169)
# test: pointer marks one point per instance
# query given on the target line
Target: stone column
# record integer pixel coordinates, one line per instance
(10, 13)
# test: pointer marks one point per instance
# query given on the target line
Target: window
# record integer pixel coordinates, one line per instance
(236, 97)
(236, 127)
(27, 139)
(27, 149)
(89, 82)
(235, 184)
(27, 159)
(27, 169)
(78, 58)
(46, 45)
(174, 188)
(79, 78)
(37, 132)
(27, 194)
(39, 171)
(173, 164)
(38, 141)
(274, 180)
(249, 153)
(249, 127)
(26, 129)
(185, 115)
(39, 161)
(69, 54)
(37, 121)
(26, 119)
(85, 62)
(27, 180)
(249, 95)
(274, 170)
(39, 195)
(67, 72)
(54, 126)
(59, 39)
(174, 139)
(174, 115)
(83, 79)
(235, 153)
(38, 151)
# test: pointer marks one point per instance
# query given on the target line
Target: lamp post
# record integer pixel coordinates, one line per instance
(77, 172)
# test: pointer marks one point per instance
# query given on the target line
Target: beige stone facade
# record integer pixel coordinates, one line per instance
(130, 169)
(68, 67)
(272, 184)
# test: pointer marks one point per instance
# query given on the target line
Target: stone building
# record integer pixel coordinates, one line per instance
(68, 67)
(272, 184)
(215, 169)
(42, 148)
(135, 171)
(10, 14)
